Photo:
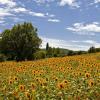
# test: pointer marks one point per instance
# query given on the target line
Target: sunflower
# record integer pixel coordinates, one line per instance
(22, 87)
(15, 78)
(90, 82)
(27, 95)
(60, 85)
(10, 81)
(87, 75)
(33, 86)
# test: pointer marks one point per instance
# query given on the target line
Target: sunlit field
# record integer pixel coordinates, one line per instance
(67, 78)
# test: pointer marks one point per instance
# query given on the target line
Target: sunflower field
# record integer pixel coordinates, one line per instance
(66, 78)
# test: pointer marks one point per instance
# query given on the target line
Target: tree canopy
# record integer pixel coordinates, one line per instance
(20, 42)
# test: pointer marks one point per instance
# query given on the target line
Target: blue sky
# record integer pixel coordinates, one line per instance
(71, 24)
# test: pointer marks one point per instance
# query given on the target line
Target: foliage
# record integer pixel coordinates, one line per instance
(20, 42)
(55, 52)
(2, 58)
(47, 46)
(39, 55)
(49, 52)
(70, 53)
(92, 50)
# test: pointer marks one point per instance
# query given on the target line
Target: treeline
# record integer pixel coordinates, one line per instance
(60, 52)
(93, 50)
(21, 42)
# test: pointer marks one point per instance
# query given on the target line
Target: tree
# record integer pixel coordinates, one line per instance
(97, 49)
(70, 53)
(20, 42)
(49, 52)
(92, 50)
(56, 52)
(47, 46)
(40, 54)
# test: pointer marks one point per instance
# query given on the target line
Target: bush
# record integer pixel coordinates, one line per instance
(39, 54)
(2, 58)
(70, 53)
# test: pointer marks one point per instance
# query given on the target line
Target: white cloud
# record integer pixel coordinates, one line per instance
(43, 1)
(63, 44)
(11, 8)
(89, 43)
(37, 14)
(50, 15)
(54, 20)
(85, 29)
(20, 9)
(71, 3)
(9, 3)
(26, 11)
(40, 14)
(2, 21)
(96, 1)
(72, 44)
(8, 6)
(4, 12)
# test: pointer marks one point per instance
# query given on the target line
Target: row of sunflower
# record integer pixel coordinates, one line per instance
(66, 78)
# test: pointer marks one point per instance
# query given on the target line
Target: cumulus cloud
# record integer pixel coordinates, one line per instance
(9, 3)
(6, 8)
(20, 9)
(85, 29)
(71, 3)
(43, 1)
(37, 14)
(89, 43)
(2, 21)
(4, 12)
(96, 1)
(26, 11)
(92, 42)
(54, 20)
(32, 13)
(11, 8)
(72, 45)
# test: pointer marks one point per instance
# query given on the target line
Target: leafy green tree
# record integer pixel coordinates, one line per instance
(2, 58)
(49, 52)
(39, 54)
(56, 52)
(79, 52)
(47, 46)
(70, 53)
(97, 49)
(92, 50)
(20, 42)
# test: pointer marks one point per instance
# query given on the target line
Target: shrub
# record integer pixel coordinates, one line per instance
(2, 58)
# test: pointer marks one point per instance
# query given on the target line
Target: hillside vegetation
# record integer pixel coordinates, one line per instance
(66, 78)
